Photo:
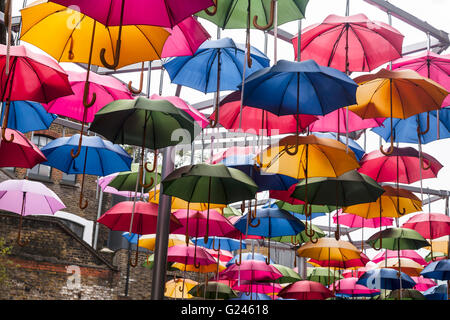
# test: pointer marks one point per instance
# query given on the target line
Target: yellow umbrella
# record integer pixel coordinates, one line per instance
(408, 266)
(396, 94)
(201, 269)
(148, 241)
(329, 249)
(440, 245)
(179, 288)
(178, 203)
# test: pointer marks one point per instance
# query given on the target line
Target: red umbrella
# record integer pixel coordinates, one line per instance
(354, 273)
(20, 153)
(257, 287)
(251, 270)
(305, 290)
(352, 263)
(189, 254)
(408, 254)
(350, 43)
(257, 121)
(32, 77)
(403, 165)
(349, 286)
(285, 195)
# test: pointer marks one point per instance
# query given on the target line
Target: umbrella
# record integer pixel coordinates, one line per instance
(355, 147)
(437, 270)
(188, 254)
(407, 294)
(405, 253)
(252, 296)
(26, 197)
(230, 211)
(213, 290)
(185, 38)
(248, 256)
(301, 237)
(438, 292)
(251, 270)
(104, 181)
(250, 287)
(42, 77)
(350, 43)
(26, 116)
(406, 129)
(289, 275)
(98, 157)
(305, 290)
(298, 210)
(179, 288)
(150, 261)
(423, 284)
(408, 266)
(269, 222)
(257, 121)
(329, 249)
(350, 288)
(385, 278)
(323, 275)
(341, 264)
(147, 241)
(19, 152)
(355, 273)
(217, 243)
(126, 180)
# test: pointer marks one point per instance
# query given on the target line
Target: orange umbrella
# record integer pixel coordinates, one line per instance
(408, 266)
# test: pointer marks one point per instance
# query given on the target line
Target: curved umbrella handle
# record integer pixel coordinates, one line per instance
(428, 126)
(141, 179)
(271, 18)
(240, 253)
(213, 244)
(197, 266)
(5, 123)
(86, 102)
(286, 149)
(391, 148)
(422, 161)
(141, 82)
(214, 11)
(255, 225)
(77, 153)
(155, 156)
(115, 63)
(295, 243)
(11, 138)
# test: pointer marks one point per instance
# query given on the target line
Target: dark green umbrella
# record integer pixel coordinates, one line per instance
(302, 237)
(289, 275)
(230, 212)
(348, 189)
(150, 261)
(213, 290)
(300, 208)
(209, 183)
(126, 181)
(323, 275)
(407, 294)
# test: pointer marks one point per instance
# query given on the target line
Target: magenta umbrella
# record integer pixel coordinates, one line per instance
(423, 284)
(350, 43)
(354, 273)
(305, 290)
(407, 254)
(189, 254)
(185, 38)
(26, 197)
(32, 76)
(20, 153)
(249, 287)
(251, 270)
(183, 105)
(106, 89)
(104, 181)
(349, 287)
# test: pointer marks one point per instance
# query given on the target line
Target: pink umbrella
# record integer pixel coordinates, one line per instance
(351, 43)
(221, 255)
(348, 286)
(337, 121)
(285, 195)
(104, 181)
(105, 88)
(183, 105)
(251, 270)
(305, 290)
(257, 121)
(423, 284)
(429, 225)
(32, 77)
(188, 254)
(257, 287)
(408, 254)
(27, 197)
(20, 153)
(230, 152)
(354, 273)
(185, 38)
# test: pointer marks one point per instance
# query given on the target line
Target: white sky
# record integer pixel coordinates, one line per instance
(435, 12)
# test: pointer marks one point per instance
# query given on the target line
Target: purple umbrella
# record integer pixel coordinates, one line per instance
(26, 197)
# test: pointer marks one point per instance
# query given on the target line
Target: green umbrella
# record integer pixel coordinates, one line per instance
(323, 275)
(302, 237)
(213, 290)
(348, 189)
(289, 275)
(126, 181)
(300, 208)
(431, 257)
(209, 183)
(229, 211)
(150, 261)
(407, 294)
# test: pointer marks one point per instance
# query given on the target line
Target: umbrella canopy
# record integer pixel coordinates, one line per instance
(257, 121)
(257, 287)
(301, 237)
(251, 270)
(126, 180)
(19, 152)
(105, 88)
(423, 284)
(26, 116)
(323, 275)
(289, 275)
(189, 254)
(438, 292)
(429, 225)
(354, 273)
(298, 210)
(397, 239)
(174, 288)
(329, 249)
(98, 157)
(216, 64)
(342, 121)
(248, 256)
(216, 243)
(147, 241)
(252, 296)
(276, 89)
(437, 270)
(405, 253)
(213, 290)
(350, 43)
(354, 221)
(408, 266)
(119, 217)
(352, 144)
(406, 129)
(321, 157)
(305, 290)
(199, 268)
(403, 165)
(407, 294)
(350, 288)
(385, 278)
(341, 264)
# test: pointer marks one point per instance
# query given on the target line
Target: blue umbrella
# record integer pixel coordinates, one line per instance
(219, 242)
(270, 223)
(437, 270)
(131, 237)
(355, 147)
(436, 293)
(97, 157)
(26, 116)
(406, 129)
(300, 216)
(248, 256)
(318, 91)
(252, 296)
(385, 278)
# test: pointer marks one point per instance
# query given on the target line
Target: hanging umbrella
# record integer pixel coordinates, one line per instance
(397, 239)
(437, 270)
(252, 296)
(329, 249)
(189, 254)
(407, 294)
(19, 152)
(26, 116)
(185, 38)
(126, 180)
(429, 225)
(104, 181)
(198, 269)
(97, 157)
(150, 261)
(250, 287)
(213, 290)
(408, 266)
(147, 241)
(355, 147)
(436, 256)
(341, 264)
(289, 275)
(355, 273)
(26, 197)
(251, 270)
(385, 278)
(301, 237)
(229, 211)
(438, 292)
(405, 253)
(248, 256)
(179, 288)
(44, 79)
(322, 275)
(406, 129)
(348, 287)
(350, 43)
(257, 121)
(423, 284)
(305, 290)
(217, 243)
(298, 210)
(105, 88)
